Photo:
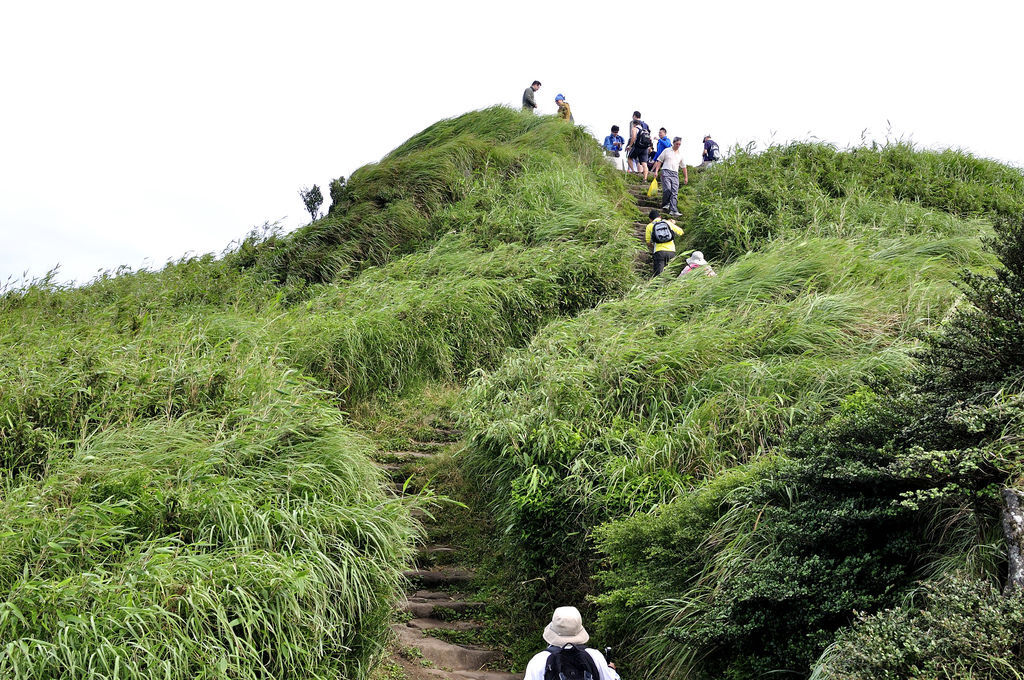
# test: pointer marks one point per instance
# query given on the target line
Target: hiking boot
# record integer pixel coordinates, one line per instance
(676, 214)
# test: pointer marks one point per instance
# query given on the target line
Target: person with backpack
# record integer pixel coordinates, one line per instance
(661, 233)
(639, 143)
(670, 162)
(567, 656)
(710, 153)
(529, 103)
(563, 108)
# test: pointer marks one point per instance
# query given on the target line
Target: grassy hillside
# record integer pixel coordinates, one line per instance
(183, 493)
(835, 263)
(182, 497)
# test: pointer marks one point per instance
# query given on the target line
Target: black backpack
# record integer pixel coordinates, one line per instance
(643, 136)
(570, 662)
(661, 232)
(713, 152)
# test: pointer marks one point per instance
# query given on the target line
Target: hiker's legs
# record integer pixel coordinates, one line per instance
(670, 182)
(661, 258)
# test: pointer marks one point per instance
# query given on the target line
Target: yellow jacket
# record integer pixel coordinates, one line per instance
(670, 245)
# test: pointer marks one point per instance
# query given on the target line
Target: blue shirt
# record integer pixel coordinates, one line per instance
(610, 141)
(663, 144)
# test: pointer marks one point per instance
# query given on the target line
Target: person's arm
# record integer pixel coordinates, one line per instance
(604, 669)
(657, 166)
(686, 179)
(535, 668)
(647, 233)
(678, 230)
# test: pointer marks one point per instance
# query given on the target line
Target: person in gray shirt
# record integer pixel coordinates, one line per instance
(529, 103)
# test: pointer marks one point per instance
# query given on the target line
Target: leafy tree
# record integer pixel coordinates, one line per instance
(312, 199)
(338, 195)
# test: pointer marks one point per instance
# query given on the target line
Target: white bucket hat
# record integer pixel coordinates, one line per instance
(566, 627)
(697, 258)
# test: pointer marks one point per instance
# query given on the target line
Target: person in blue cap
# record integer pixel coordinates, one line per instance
(563, 108)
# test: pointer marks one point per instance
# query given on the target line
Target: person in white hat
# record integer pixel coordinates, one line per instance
(696, 261)
(566, 636)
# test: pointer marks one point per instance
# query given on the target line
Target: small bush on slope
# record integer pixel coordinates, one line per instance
(961, 628)
(897, 486)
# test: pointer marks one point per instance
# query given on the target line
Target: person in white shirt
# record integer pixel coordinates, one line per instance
(669, 162)
(565, 635)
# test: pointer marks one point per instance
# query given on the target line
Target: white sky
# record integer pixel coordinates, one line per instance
(134, 132)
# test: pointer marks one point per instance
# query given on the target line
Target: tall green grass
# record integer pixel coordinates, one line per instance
(179, 494)
(177, 502)
(816, 189)
(642, 401)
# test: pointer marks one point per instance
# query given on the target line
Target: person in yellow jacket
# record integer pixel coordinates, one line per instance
(659, 233)
(564, 112)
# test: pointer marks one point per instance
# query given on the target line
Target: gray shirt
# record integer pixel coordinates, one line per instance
(528, 101)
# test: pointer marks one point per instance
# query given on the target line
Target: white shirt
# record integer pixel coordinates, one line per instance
(671, 159)
(535, 669)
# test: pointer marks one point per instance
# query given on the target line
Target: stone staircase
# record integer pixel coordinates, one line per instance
(436, 602)
(638, 189)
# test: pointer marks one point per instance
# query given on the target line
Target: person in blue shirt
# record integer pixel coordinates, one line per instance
(614, 142)
(663, 143)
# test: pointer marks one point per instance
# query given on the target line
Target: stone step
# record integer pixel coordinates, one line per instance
(445, 654)
(488, 675)
(406, 456)
(431, 623)
(439, 576)
(472, 675)
(426, 604)
(429, 445)
(433, 554)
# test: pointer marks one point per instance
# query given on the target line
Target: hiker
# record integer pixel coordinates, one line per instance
(529, 103)
(563, 108)
(613, 148)
(670, 162)
(614, 142)
(710, 153)
(663, 143)
(696, 262)
(567, 656)
(659, 233)
(639, 143)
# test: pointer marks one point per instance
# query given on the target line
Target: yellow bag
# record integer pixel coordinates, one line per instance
(653, 190)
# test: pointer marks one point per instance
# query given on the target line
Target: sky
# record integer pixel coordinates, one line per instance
(132, 133)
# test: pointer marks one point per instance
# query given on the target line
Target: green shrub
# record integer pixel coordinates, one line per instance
(961, 628)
